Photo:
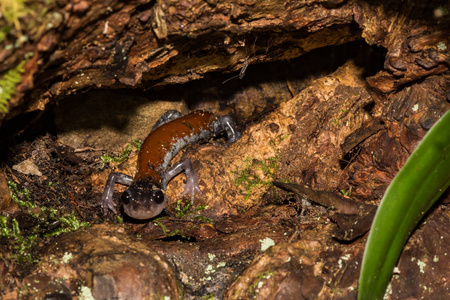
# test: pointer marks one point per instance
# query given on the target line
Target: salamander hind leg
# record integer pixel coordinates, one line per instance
(191, 187)
(167, 117)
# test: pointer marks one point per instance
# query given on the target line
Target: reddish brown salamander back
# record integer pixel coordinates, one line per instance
(165, 141)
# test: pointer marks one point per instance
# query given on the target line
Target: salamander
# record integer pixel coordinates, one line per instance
(145, 197)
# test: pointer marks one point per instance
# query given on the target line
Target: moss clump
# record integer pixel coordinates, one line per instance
(248, 177)
(123, 156)
(21, 244)
(18, 239)
(17, 195)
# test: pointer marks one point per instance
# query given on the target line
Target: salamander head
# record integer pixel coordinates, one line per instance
(143, 200)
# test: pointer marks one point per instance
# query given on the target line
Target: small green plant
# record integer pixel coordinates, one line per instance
(181, 211)
(106, 158)
(184, 210)
(346, 193)
(167, 234)
(52, 212)
(8, 85)
(52, 184)
(248, 176)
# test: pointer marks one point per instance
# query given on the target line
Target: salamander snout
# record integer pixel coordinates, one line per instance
(143, 200)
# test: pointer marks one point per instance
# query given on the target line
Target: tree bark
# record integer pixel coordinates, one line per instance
(80, 45)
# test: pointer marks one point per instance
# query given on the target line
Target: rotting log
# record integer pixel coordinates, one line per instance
(336, 143)
(73, 46)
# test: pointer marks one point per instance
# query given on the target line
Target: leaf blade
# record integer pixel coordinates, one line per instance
(420, 182)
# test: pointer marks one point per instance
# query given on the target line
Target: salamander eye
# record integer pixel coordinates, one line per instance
(158, 196)
(126, 197)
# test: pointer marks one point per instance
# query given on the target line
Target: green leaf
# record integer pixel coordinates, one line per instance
(423, 178)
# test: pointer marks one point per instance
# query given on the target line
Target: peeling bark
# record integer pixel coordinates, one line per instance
(80, 45)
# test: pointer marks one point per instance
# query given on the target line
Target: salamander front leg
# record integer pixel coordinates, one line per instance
(106, 202)
(191, 187)
(226, 124)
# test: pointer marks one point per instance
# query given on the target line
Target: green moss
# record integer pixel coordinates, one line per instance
(137, 144)
(19, 195)
(248, 176)
(262, 276)
(21, 243)
(167, 234)
(51, 184)
(8, 85)
(204, 219)
(347, 193)
(123, 156)
(182, 211)
(337, 120)
(68, 224)
(4, 31)
(117, 159)
(52, 212)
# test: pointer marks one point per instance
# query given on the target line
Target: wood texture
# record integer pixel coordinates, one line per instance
(78, 45)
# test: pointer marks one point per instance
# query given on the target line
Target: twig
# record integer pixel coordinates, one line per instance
(87, 149)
